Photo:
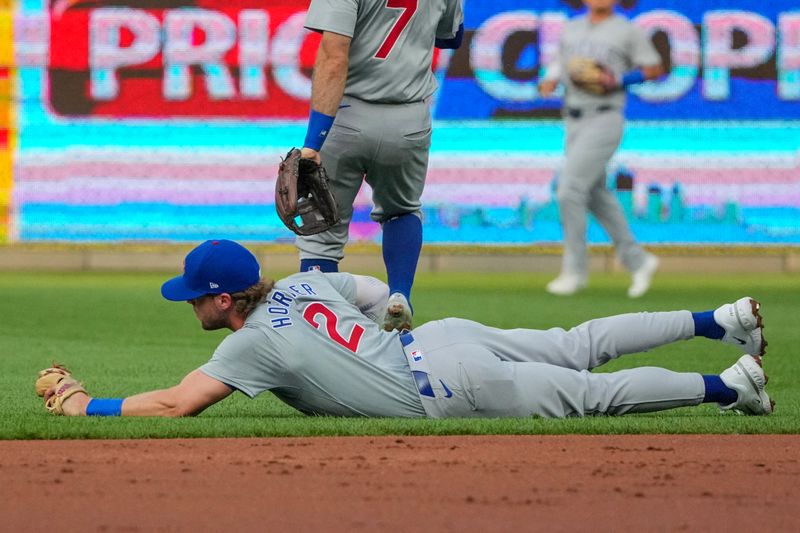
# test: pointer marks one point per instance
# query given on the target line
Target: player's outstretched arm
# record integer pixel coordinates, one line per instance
(190, 397)
(66, 396)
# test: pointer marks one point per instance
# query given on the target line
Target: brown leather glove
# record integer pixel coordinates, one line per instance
(55, 385)
(303, 198)
(591, 76)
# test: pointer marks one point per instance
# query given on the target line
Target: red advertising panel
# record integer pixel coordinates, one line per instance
(172, 58)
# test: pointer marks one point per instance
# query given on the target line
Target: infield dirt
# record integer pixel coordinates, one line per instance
(454, 483)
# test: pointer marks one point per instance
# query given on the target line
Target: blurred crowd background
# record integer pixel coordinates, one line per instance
(164, 121)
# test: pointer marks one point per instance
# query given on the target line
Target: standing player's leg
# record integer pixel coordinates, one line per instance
(642, 265)
(604, 205)
(343, 161)
(591, 141)
(397, 177)
(573, 200)
(606, 209)
(402, 244)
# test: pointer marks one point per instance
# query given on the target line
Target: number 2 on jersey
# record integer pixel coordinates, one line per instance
(315, 309)
(409, 7)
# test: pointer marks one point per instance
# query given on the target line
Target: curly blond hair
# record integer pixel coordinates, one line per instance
(247, 300)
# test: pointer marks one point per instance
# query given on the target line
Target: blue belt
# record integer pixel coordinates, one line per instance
(423, 383)
(406, 338)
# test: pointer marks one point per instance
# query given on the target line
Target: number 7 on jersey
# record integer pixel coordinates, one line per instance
(409, 7)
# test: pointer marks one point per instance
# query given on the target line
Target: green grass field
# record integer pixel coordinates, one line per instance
(119, 336)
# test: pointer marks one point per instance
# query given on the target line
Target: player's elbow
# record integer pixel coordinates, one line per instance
(173, 410)
(171, 413)
(176, 405)
(186, 408)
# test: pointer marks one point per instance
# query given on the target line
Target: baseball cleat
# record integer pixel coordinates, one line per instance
(642, 277)
(747, 378)
(743, 325)
(566, 284)
(398, 313)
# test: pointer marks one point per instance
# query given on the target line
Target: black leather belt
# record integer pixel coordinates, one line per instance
(577, 112)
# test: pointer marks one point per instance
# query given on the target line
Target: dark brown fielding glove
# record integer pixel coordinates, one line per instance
(303, 198)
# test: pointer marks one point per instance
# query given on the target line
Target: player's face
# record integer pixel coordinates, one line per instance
(208, 312)
(600, 5)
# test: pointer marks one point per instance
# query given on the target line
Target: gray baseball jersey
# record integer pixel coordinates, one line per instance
(309, 344)
(392, 43)
(615, 42)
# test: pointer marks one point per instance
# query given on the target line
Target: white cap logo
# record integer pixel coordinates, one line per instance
(213, 285)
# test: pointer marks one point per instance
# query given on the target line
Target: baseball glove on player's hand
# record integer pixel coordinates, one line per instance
(591, 76)
(303, 198)
(56, 384)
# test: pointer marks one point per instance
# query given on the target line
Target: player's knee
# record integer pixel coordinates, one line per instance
(383, 219)
(568, 194)
(564, 195)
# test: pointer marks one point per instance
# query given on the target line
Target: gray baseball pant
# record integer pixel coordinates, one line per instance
(385, 145)
(590, 143)
(480, 371)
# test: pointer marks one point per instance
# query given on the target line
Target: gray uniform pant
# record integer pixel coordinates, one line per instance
(480, 371)
(591, 141)
(387, 146)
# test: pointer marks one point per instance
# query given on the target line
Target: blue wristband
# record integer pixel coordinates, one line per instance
(319, 124)
(104, 407)
(633, 77)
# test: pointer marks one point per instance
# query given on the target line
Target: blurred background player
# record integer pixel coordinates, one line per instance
(594, 124)
(373, 75)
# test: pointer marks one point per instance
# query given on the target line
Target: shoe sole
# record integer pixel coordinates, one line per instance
(755, 308)
(396, 318)
(762, 393)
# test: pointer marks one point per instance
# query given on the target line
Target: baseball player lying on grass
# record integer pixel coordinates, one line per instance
(313, 340)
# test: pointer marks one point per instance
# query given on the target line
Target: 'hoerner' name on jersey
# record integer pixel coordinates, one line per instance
(280, 301)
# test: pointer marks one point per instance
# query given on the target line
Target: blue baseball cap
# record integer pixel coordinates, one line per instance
(213, 267)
